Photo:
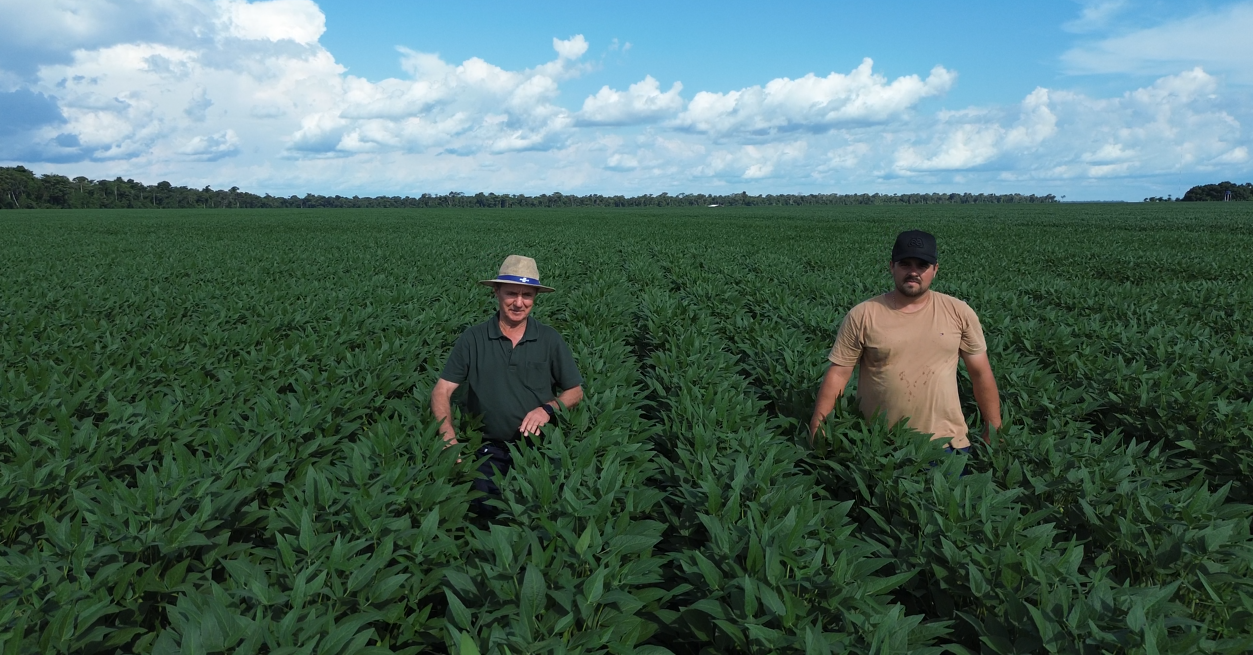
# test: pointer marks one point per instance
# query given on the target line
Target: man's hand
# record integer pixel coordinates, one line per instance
(833, 383)
(442, 409)
(533, 421)
(538, 418)
(986, 394)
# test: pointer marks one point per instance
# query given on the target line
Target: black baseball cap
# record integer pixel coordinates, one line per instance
(915, 243)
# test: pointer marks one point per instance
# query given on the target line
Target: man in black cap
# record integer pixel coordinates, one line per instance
(907, 343)
(511, 363)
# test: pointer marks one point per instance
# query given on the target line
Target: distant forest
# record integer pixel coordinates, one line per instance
(22, 189)
(1219, 192)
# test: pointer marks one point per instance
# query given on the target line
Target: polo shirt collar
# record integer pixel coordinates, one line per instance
(531, 334)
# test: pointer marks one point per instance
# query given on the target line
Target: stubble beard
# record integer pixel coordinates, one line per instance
(904, 291)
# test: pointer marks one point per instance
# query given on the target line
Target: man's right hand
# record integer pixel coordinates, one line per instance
(450, 439)
(833, 383)
(442, 409)
(815, 424)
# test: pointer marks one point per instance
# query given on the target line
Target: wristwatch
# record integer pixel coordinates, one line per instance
(552, 413)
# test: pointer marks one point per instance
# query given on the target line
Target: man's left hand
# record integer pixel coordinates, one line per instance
(533, 421)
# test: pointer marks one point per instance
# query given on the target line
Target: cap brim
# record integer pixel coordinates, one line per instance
(926, 257)
(539, 288)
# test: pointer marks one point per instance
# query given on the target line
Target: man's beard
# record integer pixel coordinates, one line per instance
(912, 294)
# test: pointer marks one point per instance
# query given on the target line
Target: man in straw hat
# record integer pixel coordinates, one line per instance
(511, 364)
(907, 343)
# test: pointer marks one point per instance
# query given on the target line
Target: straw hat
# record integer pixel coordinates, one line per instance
(518, 270)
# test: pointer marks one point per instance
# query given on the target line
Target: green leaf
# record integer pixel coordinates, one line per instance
(594, 586)
(750, 597)
(534, 592)
(467, 645)
(713, 577)
(460, 615)
(1136, 620)
(584, 540)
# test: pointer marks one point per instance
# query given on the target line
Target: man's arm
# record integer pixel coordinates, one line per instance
(441, 407)
(832, 388)
(538, 418)
(986, 394)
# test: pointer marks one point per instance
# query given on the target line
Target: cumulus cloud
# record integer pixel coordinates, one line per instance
(1216, 40)
(212, 147)
(1172, 125)
(461, 109)
(50, 31)
(198, 107)
(642, 102)
(274, 20)
(811, 103)
(571, 48)
(146, 99)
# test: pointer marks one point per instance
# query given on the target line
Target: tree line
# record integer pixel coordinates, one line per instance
(20, 188)
(1219, 192)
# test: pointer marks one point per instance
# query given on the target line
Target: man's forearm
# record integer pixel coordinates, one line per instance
(441, 407)
(567, 399)
(833, 383)
(988, 398)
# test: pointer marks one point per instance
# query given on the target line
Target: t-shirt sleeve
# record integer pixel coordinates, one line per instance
(457, 368)
(565, 371)
(973, 342)
(848, 341)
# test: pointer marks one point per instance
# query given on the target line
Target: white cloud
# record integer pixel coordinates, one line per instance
(1095, 15)
(1215, 40)
(212, 147)
(973, 138)
(1171, 126)
(460, 109)
(1238, 155)
(198, 107)
(643, 102)
(274, 20)
(811, 103)
(622, 162)
(50, 31)
(572, 48)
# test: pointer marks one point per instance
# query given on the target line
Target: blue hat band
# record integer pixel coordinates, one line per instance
(517, 278)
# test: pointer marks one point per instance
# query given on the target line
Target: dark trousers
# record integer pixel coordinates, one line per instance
(498, 461)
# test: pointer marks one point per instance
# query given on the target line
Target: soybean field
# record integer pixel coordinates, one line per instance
(215, 436)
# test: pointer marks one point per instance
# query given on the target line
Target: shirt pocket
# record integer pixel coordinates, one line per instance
(875, 356)
(538, 377)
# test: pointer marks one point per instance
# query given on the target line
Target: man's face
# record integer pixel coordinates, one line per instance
(515, 300)
(913, 276)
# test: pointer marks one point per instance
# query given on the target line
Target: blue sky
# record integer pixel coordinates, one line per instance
(1099, 99)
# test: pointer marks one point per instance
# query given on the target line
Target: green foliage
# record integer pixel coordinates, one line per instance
(214, 437)
(1219, 192)
(20, 189)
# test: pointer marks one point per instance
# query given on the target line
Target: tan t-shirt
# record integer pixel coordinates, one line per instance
(909, 361)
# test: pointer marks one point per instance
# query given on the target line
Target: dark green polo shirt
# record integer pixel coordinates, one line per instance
(506, 382)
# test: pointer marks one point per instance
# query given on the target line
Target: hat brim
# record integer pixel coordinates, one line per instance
(539, 288)
(924, 256)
